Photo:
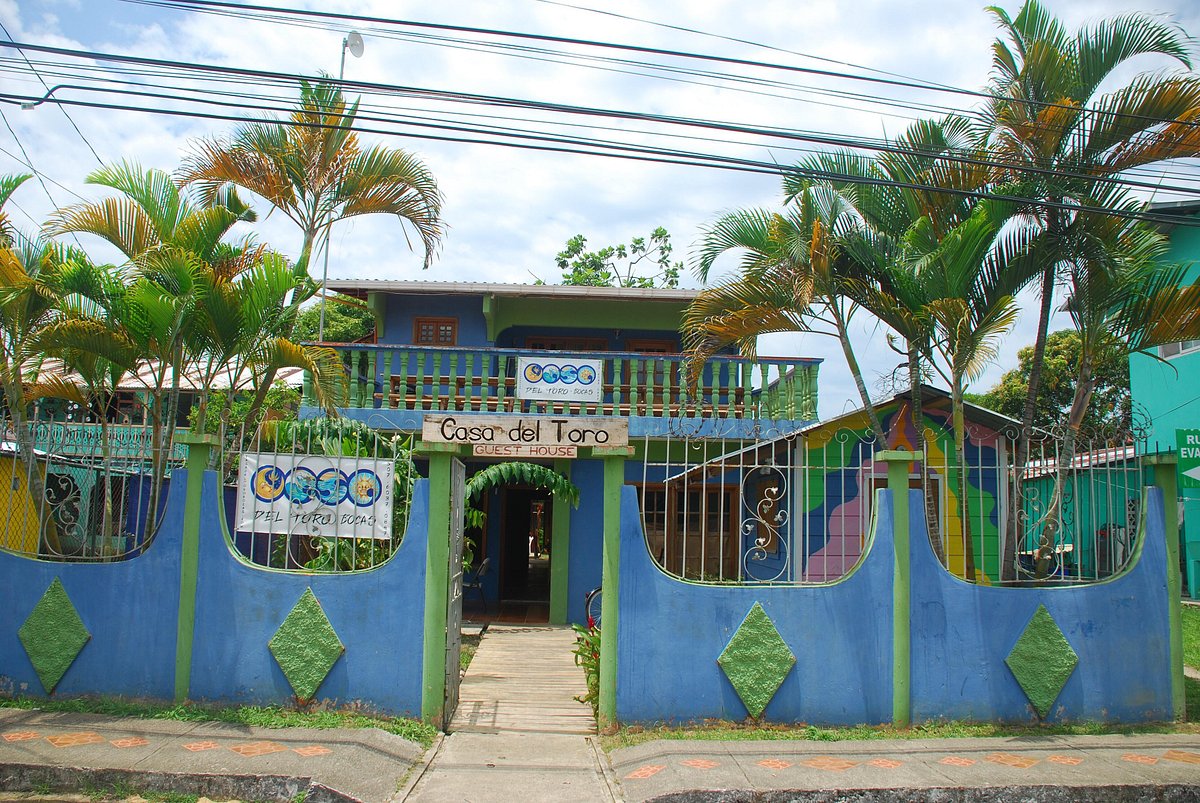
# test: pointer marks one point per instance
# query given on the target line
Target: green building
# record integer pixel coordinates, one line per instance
(1166, 392)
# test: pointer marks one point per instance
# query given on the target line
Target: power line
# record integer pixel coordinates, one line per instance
(662, 156)
(510, 102)
(244, 9)
(47, 86)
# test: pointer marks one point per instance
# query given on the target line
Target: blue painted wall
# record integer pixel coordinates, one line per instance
(672, 632)
(401, 310)
(129, 608)
(378, 614)
(587, 535)
(1119, 629)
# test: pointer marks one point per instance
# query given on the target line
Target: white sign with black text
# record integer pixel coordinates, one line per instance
(554, 379)
(315, 495)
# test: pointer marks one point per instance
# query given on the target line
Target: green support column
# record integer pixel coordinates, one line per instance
(560, 550)
(437, 563)
(897, 463)
(1166, 478)
(614, 480)
(199, 450)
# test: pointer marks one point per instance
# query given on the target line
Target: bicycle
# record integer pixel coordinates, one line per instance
(591, 606)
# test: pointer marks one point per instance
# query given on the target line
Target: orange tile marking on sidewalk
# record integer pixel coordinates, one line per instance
(1184, 756)
(132, 741)
(1011, 760)
(74, 739)
(20, 736)
(314, 750)
(700, 763)
(1137, 758)
(646, 771)
(196, 747)
(885, 763)
(254, 749)
(957, 761)
(1070, 761)
(829, 763)
(774, 763)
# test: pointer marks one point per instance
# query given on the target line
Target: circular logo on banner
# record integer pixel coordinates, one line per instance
(587, 375)
(300, 486)
(550, 374)
(568, 374)
(332, 487)
(365, 487)
(268, 483)
(533, 372)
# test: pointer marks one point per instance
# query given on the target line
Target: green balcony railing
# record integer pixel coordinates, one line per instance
(484, 380)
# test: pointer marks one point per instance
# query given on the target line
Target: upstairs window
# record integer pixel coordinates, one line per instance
(1171, 349)
(435, 331)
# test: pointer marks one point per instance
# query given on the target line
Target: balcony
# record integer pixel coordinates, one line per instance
(428, 379)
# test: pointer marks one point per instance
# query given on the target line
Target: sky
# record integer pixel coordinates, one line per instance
(509, 211)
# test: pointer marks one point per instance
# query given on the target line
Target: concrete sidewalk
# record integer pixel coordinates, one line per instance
(69, 752)
(65, 752)
(1086, 768)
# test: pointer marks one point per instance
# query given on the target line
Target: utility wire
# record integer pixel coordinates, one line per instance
(47, 87)
(666, 156)
(510, 102)
(241, 9)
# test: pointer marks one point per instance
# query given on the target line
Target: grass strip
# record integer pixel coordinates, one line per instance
(713, 730)
(1191, 636)
(259, 716)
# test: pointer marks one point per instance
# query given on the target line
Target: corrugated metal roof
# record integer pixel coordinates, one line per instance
(514, 290)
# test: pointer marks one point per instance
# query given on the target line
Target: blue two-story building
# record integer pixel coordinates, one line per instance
(455, 349)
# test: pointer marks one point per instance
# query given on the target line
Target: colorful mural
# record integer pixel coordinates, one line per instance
(836, 477)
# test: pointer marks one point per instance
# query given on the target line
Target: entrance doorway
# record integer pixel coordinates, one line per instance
(525, 529)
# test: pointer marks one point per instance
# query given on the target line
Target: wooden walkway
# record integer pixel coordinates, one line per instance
(523, 679)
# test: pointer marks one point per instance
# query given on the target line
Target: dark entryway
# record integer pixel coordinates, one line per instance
(525, 551)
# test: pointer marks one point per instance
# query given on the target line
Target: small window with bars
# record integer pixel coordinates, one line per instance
(435, 332)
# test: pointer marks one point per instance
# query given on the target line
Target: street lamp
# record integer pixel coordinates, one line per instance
(353, 42)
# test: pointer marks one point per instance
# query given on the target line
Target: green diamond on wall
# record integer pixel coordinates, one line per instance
(53, 635)
(756, 660)
(306, 646)
(1042, 660)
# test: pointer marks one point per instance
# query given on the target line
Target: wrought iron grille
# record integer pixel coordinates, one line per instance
(319, 495)
(82, 491)
(797, 507)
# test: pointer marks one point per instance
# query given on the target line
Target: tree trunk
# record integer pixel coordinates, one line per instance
(1084, 385)
(268, 379)
(34, 482)
(960, 456)
(932, 524)
(856, 372)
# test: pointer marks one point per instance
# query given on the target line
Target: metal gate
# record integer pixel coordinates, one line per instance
(454, 596)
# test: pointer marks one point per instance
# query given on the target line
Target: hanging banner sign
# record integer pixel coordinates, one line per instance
(553, 379)
(315, 495)
(525, 431)
(1188, 441)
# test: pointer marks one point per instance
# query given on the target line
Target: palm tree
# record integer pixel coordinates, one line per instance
(793, 277)
(1063, 142)
(171, 243)
(313, 169)
(968, 278)
(1119, 291)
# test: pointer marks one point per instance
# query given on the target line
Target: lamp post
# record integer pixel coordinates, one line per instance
(353, 42)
